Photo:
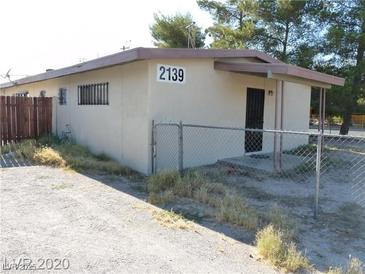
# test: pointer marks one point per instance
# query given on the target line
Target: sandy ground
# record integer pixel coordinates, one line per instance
(339, 230)
(103, 225)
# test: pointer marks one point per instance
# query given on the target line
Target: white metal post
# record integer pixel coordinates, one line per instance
(181, 147)
(319, 151)
(153, 148)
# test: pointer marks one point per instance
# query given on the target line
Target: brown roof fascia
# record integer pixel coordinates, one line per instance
(141, 54)
(281, 68)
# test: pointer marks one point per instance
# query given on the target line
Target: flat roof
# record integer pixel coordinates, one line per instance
(280, 69)
(138, 54)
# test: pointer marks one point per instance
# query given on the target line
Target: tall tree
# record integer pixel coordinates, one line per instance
(343, 49)
(276, 27)
(176, 31)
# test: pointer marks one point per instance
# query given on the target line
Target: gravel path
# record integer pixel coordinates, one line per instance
(102, 228)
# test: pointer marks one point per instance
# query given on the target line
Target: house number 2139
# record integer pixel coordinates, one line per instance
(170, 74)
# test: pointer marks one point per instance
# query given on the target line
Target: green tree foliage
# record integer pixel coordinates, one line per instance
(233, 22)
(280, 28)
(172, 32)
(344, 43)
(325, 35)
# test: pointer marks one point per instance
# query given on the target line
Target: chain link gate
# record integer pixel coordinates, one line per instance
(303, 157)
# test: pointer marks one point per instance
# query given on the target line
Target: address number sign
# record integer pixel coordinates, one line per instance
(170, 74)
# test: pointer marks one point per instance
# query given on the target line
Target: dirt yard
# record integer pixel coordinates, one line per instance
(102, 224)
(339, 231)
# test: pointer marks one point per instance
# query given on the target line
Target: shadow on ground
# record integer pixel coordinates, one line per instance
(9, 160)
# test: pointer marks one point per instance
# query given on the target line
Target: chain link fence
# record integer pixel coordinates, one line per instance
(307, 158)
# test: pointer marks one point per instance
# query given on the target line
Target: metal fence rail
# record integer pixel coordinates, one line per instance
(306, 157)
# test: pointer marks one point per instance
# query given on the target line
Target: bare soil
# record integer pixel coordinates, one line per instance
(329, 240)
(102, 224)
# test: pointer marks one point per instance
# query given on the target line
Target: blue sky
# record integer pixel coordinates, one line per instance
(41, 34)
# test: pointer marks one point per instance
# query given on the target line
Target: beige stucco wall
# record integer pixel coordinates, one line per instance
(217, 98)
(122, 129)
(118, 129)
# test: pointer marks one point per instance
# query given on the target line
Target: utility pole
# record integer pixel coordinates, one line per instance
(191, 35)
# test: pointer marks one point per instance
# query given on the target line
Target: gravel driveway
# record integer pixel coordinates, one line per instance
(104, 227)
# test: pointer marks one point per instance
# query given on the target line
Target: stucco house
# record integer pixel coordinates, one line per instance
(110, 102)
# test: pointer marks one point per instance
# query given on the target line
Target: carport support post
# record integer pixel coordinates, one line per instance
(181, 147)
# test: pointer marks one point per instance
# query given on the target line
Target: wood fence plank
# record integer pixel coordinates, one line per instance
(24, 117)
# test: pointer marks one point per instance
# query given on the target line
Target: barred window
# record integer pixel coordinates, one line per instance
(93, 94)
(62, 96)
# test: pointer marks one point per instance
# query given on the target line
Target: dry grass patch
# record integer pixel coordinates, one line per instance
(160, 198)
(162, 181)
(273, 246)
(171, 219)
(49, 157)
(50, 151)
(274, 242)
(354, 266)
(166, 186)
(235, 210)
(281, 221)
(61, 186)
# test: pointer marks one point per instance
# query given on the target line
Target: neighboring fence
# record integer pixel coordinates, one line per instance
(358, 120)
(280, 155)
(24, 117)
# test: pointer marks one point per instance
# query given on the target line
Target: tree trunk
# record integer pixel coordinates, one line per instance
(345, 127)
(285, 43)
(356, 81)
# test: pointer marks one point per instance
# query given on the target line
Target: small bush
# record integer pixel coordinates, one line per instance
(294, 259)
(273, 247)
(270, 245)
(48, 156)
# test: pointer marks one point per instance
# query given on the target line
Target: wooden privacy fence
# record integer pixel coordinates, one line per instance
(24, 117)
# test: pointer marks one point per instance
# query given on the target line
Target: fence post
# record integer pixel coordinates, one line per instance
(318, 173)
(181, 147)
(153, 148)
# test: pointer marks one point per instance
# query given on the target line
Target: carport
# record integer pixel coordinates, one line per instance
(282, 73)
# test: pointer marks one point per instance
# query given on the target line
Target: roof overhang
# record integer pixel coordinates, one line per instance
(282, 71)
(138, 54)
